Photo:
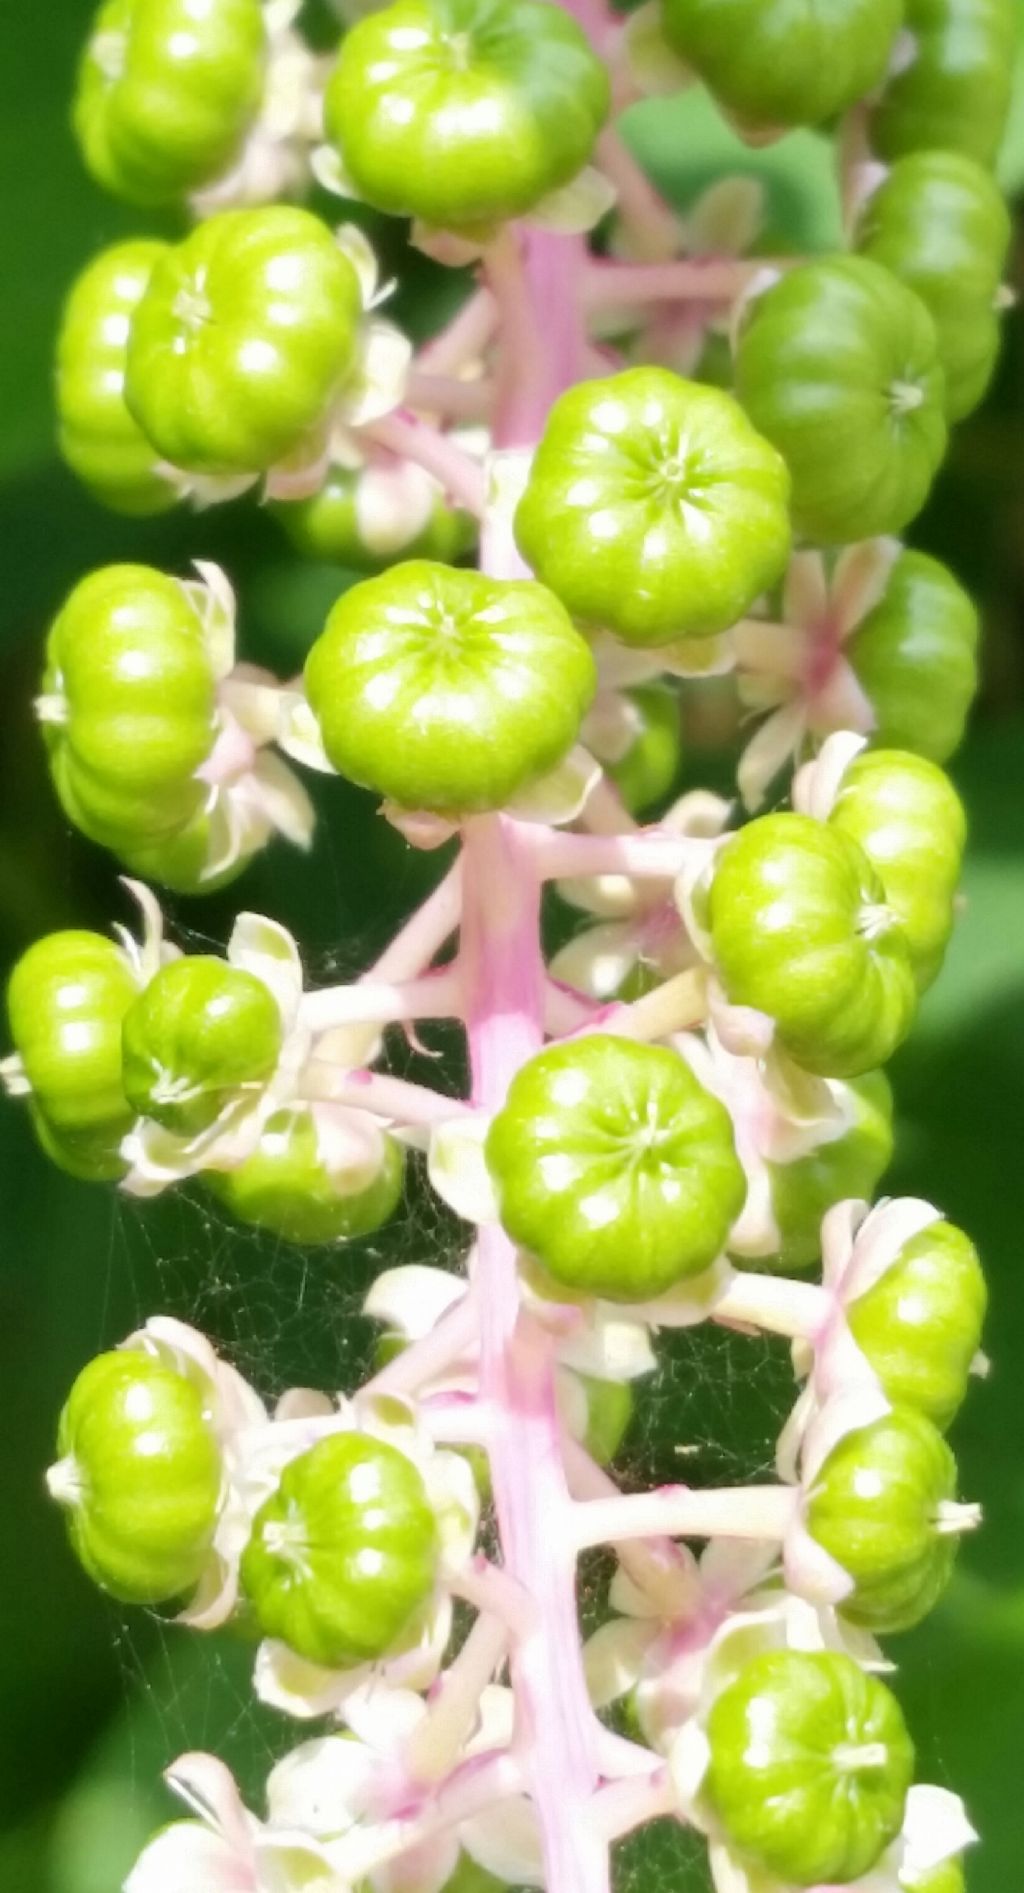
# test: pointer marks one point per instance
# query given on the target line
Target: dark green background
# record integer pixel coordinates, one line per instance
(92, 1705)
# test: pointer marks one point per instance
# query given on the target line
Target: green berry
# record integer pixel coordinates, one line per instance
(801, 931)
(940, 224)
(465, 112)
(246, 333)
(784, 62)
(447, 690)
(343, 1553)
(99, 440)
(200, 1034)
(140, 1473)
(915, 654)
(810, 1767)
(954, 94)
(653, 508)
(844, 1167)
(906, 815)
(648, 770)
(66, 1000)
(615, 1167)
(838, 365)
(166, 92)
(920, 1324)
(328, 526)
(295, 1186)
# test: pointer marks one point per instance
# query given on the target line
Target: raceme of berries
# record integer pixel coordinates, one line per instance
(548, 543)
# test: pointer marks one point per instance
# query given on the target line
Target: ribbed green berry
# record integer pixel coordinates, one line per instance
(447, 690)
(784, 62)
(166, 92)
(811, 1763)
(647, 771)
(290, 1186)
(609, 1411)
(653, 508)
(327, 526)
(802, 932)
(939, 223)
(615, 1167)
(131, 682)
(140, 1473)
(915, 655)
(343, 1553)
(876, 1506)
(906, 815)
(465, 112)
(838, 365)
(920, 1325)
(199, 1034)
(99, 440)
(246, 333)
(954, 94)
(66, 1000)
(845, 1167)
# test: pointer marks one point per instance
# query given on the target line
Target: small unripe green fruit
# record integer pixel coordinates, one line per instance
(920, 1325)
(140, 1473)
(615, 1167)
(246, 333)
(343, 1553)
(875, 1507)
(653, 508)
(838, 365)
(201, 1034)
(845, 1167)
(811, 1763)
(446, 690)
(289, 1186)
(66, 1000)
(954, 94)
(915, 655)
(801, 931)
(784, 62)
(327, 526)
(646, 773)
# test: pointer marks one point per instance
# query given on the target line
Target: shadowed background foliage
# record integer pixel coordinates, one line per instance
(91, 1706)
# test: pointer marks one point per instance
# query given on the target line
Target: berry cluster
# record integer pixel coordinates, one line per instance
(686, 1110)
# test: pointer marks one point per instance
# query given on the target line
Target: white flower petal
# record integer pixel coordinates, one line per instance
(394, 502)
(266, 949)
(412, 1299)
(935, 1829)
(561, 795)
(209, 1789)
(575, 207)
(330, 173)
(276, 794)
(613, 1658)
(505, 1840)
(378, 384)
(298, 733)
(189, 1858)
(598, 960)
(768, 751)
(322, 1786)
(457, 1167)
(817, 784)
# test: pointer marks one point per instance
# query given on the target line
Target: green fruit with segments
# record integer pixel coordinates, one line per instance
(343, 1553)
(330, 526)
(838, 365)
(140, 1474)
(465, 112)
(954, 93)
(292, 1186)
(784, 62)
(801, 931)
(166, 92)
(615, 1167)
(648, 770)
(915, 655)
(844, 1167)
(920, 1324)
(66, 1000)
(99, 440)
(906, 815)
(200, 1035)
(810, 1766)
(653, 508)
(939, 223)
(446, 690)
(245, 335)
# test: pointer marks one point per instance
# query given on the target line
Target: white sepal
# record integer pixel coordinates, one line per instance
(411, 1300)
(654, 66)
(298, 733)
(306, 1691)
(330, 173)
(505, 1841)
(613, 1658)
(267, 950)
(457, 1167)
(817, 784)
(560, 796)
(377, 385)
(576, 207)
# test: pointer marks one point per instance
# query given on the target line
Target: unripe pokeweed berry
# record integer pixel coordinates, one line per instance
(845, 1167)
(906, 815)
(465, 112)
(801, 931)
(879, 1507)
(615, 1167)
(955, 92)
(343, 1553)
(246, 332)
(198, 1035)
(919, 1326)
(653, 508)
(66, 1000)
(915, 656)
(166, 92)
(140, 1473)
(99, 439)
(784, 62)
(810, 1766)
(647, 771)
(290, 1186)
(446, 690)
(328, 526)
(838, 365)
(939, 223)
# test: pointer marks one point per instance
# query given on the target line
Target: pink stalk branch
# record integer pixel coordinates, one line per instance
(463, 339)
(765, 1511)
(383, 1002)
(623, 1805)
(456, 471)
(446, 395)
(450, 1340)
(648, 854)
(613, 285)
(470, 1789)
(393, 1099)
(652, 228)
(417, 943)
